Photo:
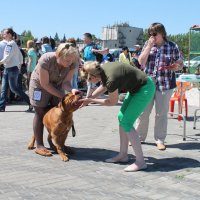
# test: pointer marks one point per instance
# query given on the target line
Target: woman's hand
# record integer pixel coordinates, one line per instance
(151, 42)
(173, 67)
(84, 102)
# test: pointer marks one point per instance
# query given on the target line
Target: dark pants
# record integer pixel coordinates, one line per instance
(10, 78)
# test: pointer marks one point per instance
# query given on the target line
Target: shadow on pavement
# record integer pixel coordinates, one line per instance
(96, 104)
(154, 165)
(183, 146)
(186, 146)
(95, 154)
(171, 164)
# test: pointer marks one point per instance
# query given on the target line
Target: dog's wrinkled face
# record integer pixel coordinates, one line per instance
(70, 102)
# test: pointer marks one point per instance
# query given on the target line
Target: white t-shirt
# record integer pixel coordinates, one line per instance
(3, 44)
(12, 55)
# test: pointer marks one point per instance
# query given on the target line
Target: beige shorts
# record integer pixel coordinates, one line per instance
(41, 98)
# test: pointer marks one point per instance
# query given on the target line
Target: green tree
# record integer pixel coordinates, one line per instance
(94, 38)
(26, 35)
(56, 38)
(182, 40)
(146, 35)
(79, 40)
(64, 38)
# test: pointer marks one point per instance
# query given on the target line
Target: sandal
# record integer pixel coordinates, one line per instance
(43, 152)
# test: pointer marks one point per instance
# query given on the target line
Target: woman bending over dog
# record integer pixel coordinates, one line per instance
(51, 77)
(115, 77)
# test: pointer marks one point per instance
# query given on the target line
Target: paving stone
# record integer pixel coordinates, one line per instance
(28, 176)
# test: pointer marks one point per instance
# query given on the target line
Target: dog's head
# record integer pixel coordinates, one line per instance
(70, 102)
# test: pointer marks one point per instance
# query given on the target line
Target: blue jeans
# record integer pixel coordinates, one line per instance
(10, 78)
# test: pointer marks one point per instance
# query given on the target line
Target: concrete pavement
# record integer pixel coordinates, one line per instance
(172, 174)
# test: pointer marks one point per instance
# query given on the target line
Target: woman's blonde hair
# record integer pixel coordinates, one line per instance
(66, 49)
(30, 44)
(91, 68)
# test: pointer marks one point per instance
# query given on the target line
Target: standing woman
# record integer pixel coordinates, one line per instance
(125, 56)
(32, 59)
(49, 81)
(115, 77)
(160, 58)
(12, 59)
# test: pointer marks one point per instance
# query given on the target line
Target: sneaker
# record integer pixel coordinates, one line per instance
(30, 109)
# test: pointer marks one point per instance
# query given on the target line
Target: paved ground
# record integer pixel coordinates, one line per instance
(172, 174)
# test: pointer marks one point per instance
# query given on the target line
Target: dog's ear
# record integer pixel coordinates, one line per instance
(61, 103)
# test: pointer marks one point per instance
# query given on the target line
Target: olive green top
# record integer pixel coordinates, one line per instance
(121, 76)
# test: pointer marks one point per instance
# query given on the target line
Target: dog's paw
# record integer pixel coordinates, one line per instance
(30, 146)
(64, 158)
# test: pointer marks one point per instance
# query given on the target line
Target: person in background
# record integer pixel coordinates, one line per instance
(107, 57)
(53, 44)
(49, 82)
(160, 58)
(12, 60)
(125, 56)
(23, 67)
(38, 48)
(140, 92)
(46, 47)
(3, 44)
(135, 55)
(91, 52)
(72, 41)
(32, 59)
(137, 51)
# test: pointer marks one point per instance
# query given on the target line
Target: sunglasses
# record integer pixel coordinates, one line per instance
(153, 34)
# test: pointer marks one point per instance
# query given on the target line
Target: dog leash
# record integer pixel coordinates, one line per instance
(73, 131)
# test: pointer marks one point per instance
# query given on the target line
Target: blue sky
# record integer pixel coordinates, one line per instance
(73, 18)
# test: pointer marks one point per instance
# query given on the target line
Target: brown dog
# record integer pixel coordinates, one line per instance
(58, 122)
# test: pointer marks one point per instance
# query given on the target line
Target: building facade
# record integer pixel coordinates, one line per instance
(120, 35)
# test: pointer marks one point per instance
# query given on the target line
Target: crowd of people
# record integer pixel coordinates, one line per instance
(147, 76)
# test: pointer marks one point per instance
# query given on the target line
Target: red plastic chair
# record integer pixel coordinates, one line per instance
(177, 95)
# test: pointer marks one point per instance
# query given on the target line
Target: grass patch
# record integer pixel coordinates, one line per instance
(180, 177)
